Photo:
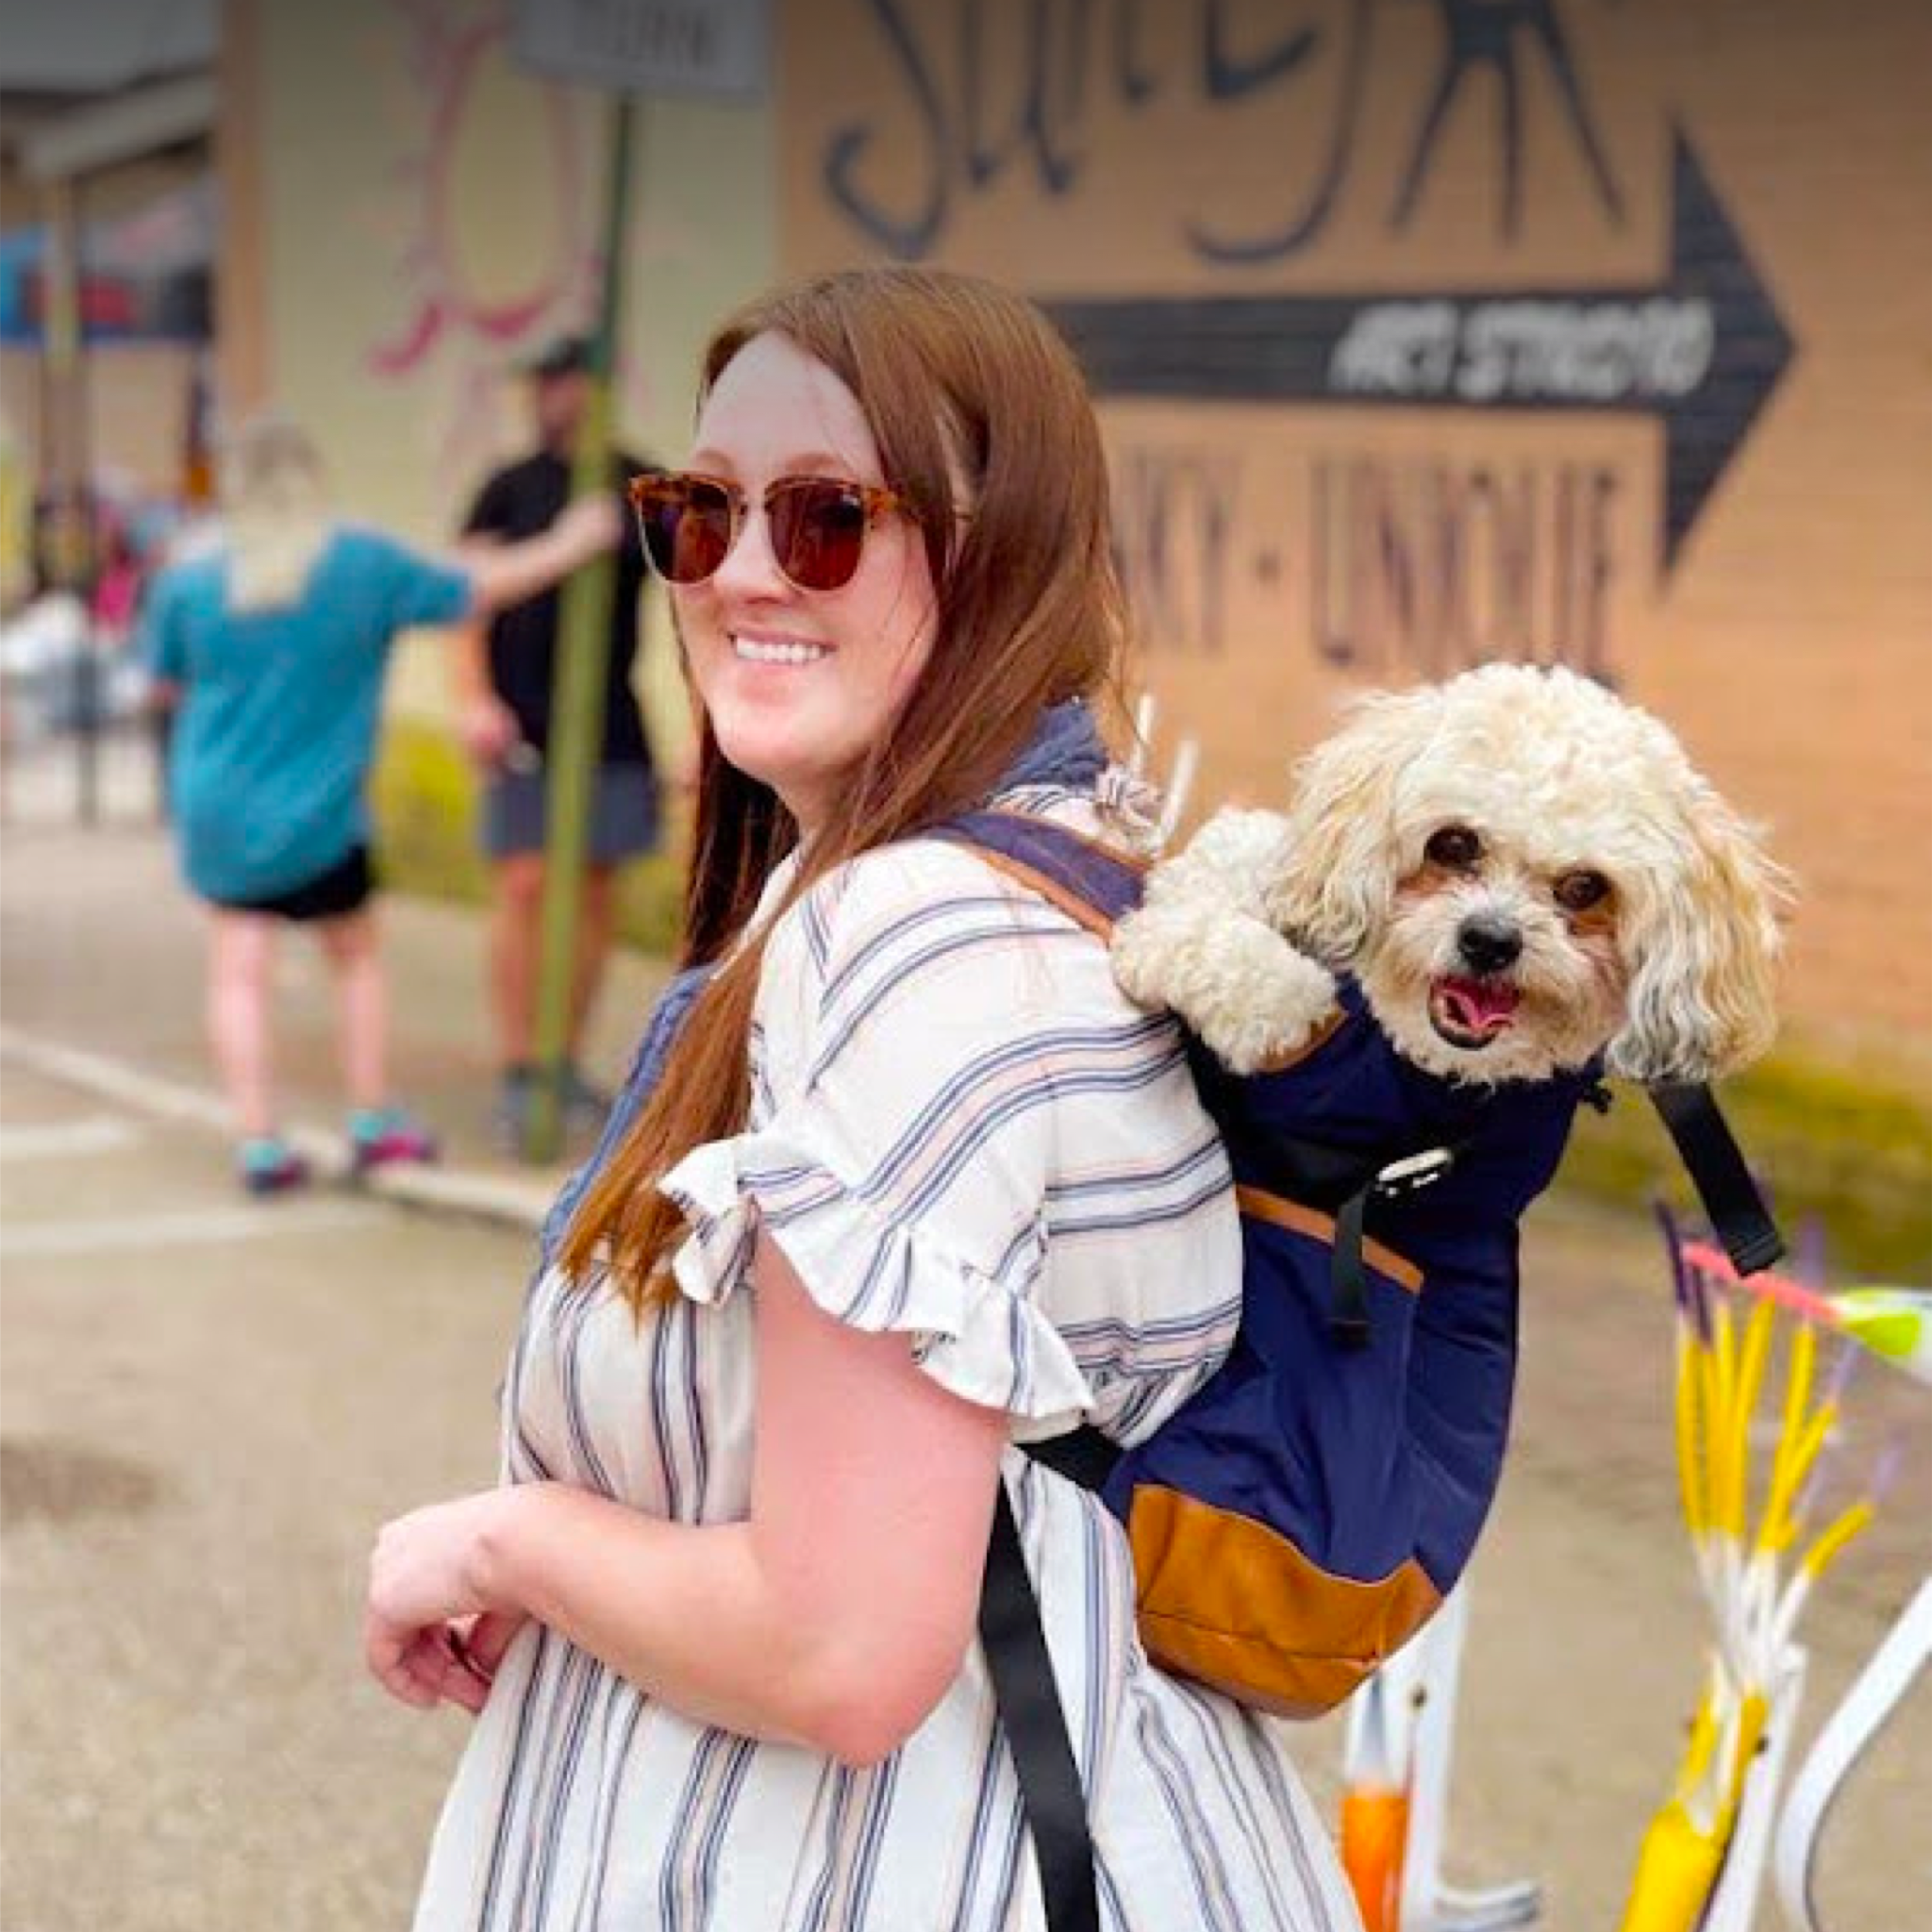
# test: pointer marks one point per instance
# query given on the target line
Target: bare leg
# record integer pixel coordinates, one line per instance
(515, 948)
(596, 931)
(242, 954)
(352, 947)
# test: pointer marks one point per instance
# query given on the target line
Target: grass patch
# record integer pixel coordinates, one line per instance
(424, 797)
(1845, 1144)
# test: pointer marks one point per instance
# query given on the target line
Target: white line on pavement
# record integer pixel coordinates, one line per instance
(114, 1080)
(518, 1201)
(54, 1140)
(265, 1220)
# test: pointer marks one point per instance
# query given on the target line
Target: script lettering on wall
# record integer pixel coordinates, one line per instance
(1383, 560)
(1700, 352)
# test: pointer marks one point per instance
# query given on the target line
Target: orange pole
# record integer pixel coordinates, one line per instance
(1374, 1834)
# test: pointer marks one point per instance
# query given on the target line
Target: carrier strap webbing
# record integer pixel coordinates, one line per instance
(1738, 1214)
(1030, 1707)
(1083, 1456)
(1348, 1283)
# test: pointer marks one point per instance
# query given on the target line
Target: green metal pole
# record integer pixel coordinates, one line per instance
(576, 709)
(73, 548)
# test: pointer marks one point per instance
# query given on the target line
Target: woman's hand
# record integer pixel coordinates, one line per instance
(432, 1632)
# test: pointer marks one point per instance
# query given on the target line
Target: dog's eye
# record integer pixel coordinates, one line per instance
(1455, 847)
(1577, 891)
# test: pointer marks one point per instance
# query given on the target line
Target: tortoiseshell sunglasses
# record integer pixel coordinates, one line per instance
(816, 525)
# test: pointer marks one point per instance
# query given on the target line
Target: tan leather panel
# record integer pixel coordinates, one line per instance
(1234, 1603)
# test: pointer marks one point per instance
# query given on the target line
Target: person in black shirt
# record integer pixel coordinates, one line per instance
(504, 672)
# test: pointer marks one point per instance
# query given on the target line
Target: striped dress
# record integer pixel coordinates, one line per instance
(962, 1131)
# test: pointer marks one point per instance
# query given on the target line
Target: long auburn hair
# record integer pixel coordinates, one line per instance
(968, 390)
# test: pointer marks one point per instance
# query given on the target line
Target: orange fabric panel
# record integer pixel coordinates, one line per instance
(1319, 1226)
(1318, 1038)
(1234, 1603)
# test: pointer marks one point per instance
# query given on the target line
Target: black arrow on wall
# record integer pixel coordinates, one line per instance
(1702, 351)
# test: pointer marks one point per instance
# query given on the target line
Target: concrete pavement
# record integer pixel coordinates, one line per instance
(208, 1407)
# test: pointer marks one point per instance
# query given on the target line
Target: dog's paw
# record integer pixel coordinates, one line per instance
(1241, 988)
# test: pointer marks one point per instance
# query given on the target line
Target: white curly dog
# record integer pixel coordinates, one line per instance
(1520, 870)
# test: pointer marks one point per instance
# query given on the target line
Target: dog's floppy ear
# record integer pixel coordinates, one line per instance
(1334, 893)
(1703, 953)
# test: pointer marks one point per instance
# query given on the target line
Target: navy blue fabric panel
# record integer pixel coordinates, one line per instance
(1317, 1441)
(1354, 1092)
(1461, 1388)
(1112, 886)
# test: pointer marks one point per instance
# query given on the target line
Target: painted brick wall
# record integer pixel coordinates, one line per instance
(1351, 336)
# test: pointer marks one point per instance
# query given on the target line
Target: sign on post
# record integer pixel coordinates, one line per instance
(629, 49)
(717, 48)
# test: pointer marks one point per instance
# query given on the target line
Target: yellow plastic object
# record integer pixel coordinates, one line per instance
(1676, 1867)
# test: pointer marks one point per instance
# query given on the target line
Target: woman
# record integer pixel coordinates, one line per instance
(271, 648)
(916, 1182)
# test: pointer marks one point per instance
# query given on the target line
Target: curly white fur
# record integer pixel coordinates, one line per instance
(1672, 975)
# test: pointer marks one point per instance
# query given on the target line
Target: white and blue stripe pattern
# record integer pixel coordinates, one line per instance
(967, 1134)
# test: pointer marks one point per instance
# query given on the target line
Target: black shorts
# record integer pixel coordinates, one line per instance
(343, 889)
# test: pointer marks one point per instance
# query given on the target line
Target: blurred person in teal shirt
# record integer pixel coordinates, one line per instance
(271, 648)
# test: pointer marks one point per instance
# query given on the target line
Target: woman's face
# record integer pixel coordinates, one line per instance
(799, 685)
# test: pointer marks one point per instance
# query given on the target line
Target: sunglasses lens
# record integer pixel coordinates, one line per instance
(818, 532)
(686, 526)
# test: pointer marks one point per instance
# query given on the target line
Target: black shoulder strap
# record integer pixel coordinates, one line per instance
(1738, 1217)
(1030, 1707)
(1096, 886)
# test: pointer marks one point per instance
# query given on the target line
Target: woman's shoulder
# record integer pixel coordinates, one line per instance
(939, 874)
(933, 910)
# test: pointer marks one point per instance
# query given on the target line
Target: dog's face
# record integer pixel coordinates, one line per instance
(1524, 871)
(1497, 958)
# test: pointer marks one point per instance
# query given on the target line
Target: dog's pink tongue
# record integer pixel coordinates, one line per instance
(1483, 1006)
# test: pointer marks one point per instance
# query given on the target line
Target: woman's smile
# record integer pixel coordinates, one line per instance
(750, 649)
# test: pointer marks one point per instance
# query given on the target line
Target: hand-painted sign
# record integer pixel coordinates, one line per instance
(1702, 350)
(1389, 324)
(986, 92)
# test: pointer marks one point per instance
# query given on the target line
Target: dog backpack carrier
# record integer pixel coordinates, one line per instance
(1305, 1510)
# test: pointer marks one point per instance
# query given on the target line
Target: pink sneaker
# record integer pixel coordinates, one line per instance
(389, 1137)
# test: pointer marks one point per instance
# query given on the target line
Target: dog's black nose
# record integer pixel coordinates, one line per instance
(1489, 942)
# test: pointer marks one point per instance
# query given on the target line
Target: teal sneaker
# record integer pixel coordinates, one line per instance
(268, 1165)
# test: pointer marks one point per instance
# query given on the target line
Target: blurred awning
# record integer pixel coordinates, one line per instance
(123, 126)
(81, 48)
(87, 85)
(87, 88)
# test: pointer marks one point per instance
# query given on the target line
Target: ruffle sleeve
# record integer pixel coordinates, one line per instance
(919, 1020)
(984, 1340)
